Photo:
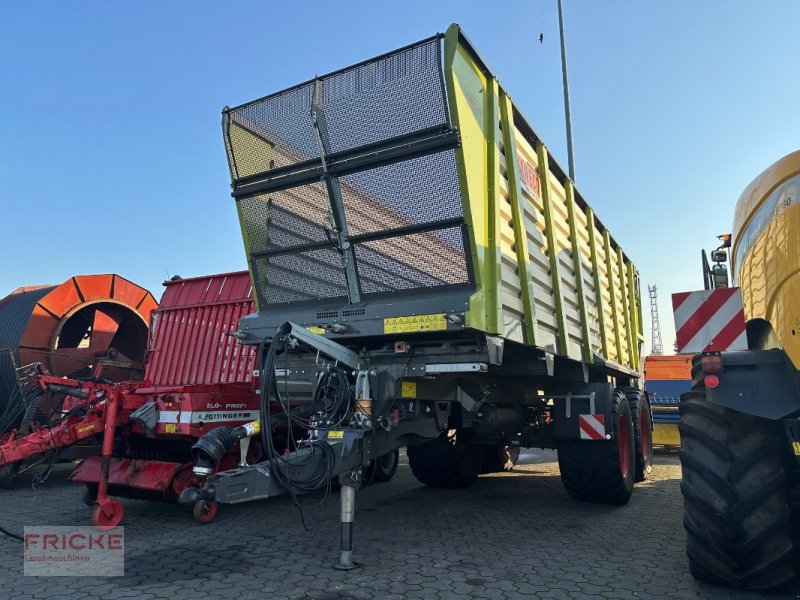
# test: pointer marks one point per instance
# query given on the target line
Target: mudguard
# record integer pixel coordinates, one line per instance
(762, 383)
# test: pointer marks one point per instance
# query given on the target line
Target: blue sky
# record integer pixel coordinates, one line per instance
(111, 158)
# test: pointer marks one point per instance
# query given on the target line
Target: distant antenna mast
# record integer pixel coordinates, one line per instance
(655, 327)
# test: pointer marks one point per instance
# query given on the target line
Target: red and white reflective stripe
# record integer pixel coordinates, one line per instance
(709, 321)
(593, 427)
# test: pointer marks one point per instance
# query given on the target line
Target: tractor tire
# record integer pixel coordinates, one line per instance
(497, 459)
(444, 463)
(793, 498)
(642, 419)
(602, 472)
(736, 514)
(382, 469)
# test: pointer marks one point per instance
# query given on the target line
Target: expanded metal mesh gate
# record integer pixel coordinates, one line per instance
(347, 184)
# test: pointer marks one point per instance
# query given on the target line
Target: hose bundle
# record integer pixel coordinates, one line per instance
(332, 405)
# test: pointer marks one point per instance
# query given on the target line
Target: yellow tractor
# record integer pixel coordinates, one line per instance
(740, 423)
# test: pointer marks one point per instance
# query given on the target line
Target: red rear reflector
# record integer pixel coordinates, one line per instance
(712, 363)
(711, 381)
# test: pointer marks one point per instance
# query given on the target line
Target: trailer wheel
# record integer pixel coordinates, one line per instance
(595, 471)
(108, 514)
(204, 511)
(642, 431)
(383, 468)
(736, 513)
(444, 462)
(497, 459)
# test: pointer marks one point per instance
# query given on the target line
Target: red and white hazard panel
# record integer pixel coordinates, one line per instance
(709, 321)
(592, 427)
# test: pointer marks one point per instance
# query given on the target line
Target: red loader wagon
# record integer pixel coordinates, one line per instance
(196, 378)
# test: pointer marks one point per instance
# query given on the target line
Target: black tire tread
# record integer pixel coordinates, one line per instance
(443, 463)
(736, 513)
(499, 459)
(590, 470)
(378, 472)
(644, 461)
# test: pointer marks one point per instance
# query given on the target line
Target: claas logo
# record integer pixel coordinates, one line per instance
(529, 177)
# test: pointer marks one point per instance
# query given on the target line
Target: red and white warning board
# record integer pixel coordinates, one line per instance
(592, 427)
(709, 321)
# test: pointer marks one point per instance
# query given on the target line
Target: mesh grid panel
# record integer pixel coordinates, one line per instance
(376, 101)
(286, 218)
(275, 132)
(420, 190)
(394, 95)
(429, 259)
(300, 276)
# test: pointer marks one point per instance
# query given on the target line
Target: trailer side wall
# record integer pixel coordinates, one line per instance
(548, 272)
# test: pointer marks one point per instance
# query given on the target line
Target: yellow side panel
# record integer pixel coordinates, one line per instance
(560, 284)
(533, 209)
(511, 296)
(253, 153)
(582, 227)
(759, 188)
(666, 434)
(770, 279)
(604, 310)
(466, 86)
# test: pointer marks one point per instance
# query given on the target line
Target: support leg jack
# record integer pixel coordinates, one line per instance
(349, 482)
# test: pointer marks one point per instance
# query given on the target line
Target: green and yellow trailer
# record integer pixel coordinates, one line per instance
(426, 275)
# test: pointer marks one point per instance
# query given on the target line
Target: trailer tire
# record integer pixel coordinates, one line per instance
(736, 514)
(383, 468)
(642, 419)
(602, 472)
(444, 463)
(204, 511)
(500, 458)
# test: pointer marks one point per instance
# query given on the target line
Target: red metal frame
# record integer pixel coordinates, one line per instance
(197, 376)
(191, 341)
(69, 430)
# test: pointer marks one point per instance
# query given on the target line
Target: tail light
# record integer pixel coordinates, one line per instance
(711, 381)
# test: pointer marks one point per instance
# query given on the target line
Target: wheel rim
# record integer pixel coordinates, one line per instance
(205, 511)
(624, 447)
(108, 515)
(644, 433)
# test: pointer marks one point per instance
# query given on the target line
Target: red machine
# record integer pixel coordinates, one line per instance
(197, 377)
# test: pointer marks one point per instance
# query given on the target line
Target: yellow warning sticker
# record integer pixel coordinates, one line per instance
(796, 448)
(85, 428)
(408, 389)
(170, 428)
(335, 434)
(414, 323)
(317, 330)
